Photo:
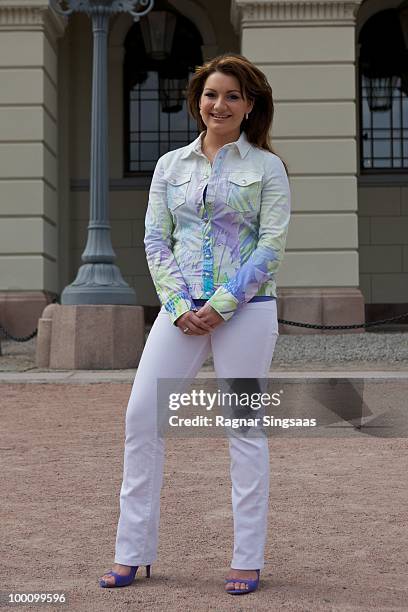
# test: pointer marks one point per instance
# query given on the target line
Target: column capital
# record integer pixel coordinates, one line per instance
(275, 13)
(31, 15)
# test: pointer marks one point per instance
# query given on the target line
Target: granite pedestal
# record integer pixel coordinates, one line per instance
(90, 337)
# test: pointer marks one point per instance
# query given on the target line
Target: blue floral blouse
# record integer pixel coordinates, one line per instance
(226, 247)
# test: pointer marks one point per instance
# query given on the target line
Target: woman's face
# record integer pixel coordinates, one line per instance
(222, 106)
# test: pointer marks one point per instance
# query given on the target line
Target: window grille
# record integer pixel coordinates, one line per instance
(384, 130)
(153, 132)
(383, 77)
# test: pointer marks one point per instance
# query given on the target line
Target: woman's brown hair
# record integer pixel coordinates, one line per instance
(254, 86)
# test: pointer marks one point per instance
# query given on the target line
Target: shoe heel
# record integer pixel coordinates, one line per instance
(147, 571)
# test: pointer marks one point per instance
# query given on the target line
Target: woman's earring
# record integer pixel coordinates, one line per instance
(246, 116)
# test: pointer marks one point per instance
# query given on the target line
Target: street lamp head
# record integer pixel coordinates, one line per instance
(158, 33)
(136, 8)
(100, 2)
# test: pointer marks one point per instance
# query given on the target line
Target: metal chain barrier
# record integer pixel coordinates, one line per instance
(9, 336)
(353, 326)
(283, 321)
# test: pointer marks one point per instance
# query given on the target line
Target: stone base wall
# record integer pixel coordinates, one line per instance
(320, 306)
(20, 311)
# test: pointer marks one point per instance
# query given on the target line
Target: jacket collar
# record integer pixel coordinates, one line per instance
(242, 144)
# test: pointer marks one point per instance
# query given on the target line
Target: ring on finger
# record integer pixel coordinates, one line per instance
(186, 330)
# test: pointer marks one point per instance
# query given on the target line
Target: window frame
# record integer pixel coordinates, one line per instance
(153, 66)
(377, 171)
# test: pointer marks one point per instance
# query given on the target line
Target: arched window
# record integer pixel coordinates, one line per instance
(161, 52)
(383, 70)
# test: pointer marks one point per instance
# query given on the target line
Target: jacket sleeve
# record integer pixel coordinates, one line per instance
(165, 272)
(266, 258)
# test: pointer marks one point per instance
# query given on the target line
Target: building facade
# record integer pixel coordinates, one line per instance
(341, 125)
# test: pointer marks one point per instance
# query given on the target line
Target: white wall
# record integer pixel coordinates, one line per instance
(28, 149)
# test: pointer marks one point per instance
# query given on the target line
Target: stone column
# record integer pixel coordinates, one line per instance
(307, 50)
(28, 161)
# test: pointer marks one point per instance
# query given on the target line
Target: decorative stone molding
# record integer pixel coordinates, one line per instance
(34, 16)
(257, 13)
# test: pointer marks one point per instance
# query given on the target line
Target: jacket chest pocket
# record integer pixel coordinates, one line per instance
(177, 187)
(244, 191)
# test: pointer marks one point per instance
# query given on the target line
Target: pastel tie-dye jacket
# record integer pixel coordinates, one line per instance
(227, 249)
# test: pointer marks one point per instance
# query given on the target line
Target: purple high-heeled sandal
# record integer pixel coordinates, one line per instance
(252, 585)
(120, 580)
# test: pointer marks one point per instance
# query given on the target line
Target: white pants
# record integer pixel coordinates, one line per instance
(242, 348)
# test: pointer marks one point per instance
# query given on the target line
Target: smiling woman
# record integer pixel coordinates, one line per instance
(222, 108)
(220, 103)
(216, 227)
(231, 80)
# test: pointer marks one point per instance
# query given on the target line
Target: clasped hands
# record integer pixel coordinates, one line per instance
(201, 322)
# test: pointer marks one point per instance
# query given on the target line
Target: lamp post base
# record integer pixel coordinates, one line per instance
(99, 283)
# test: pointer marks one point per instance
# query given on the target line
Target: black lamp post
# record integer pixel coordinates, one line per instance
(99, 280)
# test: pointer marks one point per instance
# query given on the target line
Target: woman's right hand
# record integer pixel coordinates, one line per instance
(196, 327)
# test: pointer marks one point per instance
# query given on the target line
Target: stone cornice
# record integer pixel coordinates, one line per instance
(256, 13)
(31, 16)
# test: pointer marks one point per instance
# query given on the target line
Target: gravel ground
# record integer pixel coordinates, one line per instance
(337, 522)
(381, 349)
(338, 507)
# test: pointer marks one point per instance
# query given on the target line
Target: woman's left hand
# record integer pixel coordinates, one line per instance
(210, 316)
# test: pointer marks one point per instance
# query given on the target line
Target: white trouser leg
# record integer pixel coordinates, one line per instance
(243, 348)
(168, 354)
